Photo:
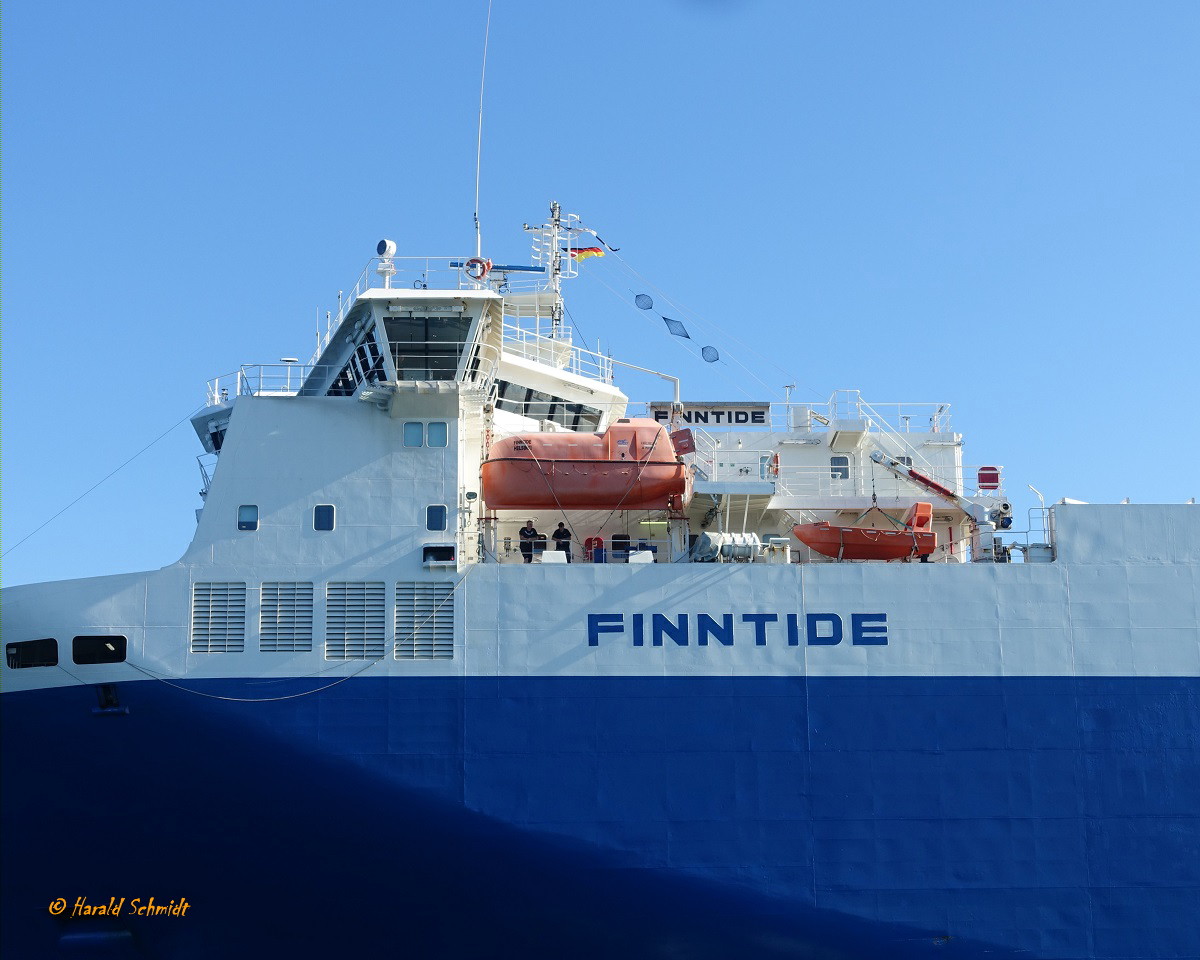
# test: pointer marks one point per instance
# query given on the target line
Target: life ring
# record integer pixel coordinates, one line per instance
(477, 268)
(773, 467)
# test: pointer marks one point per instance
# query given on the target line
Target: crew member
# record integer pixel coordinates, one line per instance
(562, 539)
(529, 536)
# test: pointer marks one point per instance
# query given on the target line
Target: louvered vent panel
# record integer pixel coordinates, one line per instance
(354, 621)
(218, 617)
(285, 617)
(424, 621)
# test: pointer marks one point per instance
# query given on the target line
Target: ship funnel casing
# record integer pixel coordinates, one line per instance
(630, 466)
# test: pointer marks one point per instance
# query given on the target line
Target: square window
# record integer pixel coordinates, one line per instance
(414, 434)
(839, 468)
(247, 517)
(438, 434)
(435, 517)
(323, 516)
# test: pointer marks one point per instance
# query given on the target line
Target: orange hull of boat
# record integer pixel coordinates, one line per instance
(862, 543)
(631, 466)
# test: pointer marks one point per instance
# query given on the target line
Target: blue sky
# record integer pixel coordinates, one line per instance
(994, 205)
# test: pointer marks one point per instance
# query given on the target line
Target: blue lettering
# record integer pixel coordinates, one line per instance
(819, 629)
(835, 629)
(760, 621)
(599, 623)
(869, 629)
(707, 627)
(676, 631)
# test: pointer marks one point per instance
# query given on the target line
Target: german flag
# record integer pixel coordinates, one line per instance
(582, 253)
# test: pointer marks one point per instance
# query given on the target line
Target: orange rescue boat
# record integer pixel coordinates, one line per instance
(630, 466)
(915, 539)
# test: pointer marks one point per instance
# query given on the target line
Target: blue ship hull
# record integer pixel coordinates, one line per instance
(707, 817)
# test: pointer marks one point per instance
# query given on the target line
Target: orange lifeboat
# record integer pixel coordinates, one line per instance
(915, 539)
(630, 466)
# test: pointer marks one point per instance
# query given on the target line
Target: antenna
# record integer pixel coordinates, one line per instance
(479, 139)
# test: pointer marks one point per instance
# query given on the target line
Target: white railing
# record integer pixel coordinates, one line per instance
(207, 462)
(556, 351)
(258, 379)
(421, 273)
(826, 481)
(895, 419)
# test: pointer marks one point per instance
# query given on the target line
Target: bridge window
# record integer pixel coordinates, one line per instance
(437, 434)
(31, 653)
(98, 649)
(323, 516)
(839, 468)
(248, 517)
(364, 366)
(427, 347)
(542, 406)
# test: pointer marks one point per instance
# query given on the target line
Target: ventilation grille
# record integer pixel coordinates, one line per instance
(424, 621)
(285, 617)
(218, 617)
(354, 618)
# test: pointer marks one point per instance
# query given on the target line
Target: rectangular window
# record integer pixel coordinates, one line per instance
(435, 517)
(542, 406)
(323, 516)
(414, 434)
(438, 434)
(98, 649)
(247, 517)
(427, 348)
(31, 653)
(839, 468)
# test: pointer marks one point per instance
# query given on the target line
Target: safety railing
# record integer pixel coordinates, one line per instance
(207, 462)
(258, 379)
(896, 419)
(832, 481)
(420, 273)
(591, 549)
(556, 351)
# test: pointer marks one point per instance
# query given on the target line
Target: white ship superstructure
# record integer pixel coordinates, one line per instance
(934, 743)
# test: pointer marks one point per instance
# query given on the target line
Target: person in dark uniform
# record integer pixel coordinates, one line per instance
(529, 536)
(562, 539)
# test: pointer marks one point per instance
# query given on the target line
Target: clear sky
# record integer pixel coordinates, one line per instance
(990, 204)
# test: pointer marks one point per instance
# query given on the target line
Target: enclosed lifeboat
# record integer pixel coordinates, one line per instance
(914, 539)
(630, 466)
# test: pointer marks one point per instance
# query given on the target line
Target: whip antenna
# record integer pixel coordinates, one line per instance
(479, 139)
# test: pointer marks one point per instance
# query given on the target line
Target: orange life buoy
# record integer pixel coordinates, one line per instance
(477, 268)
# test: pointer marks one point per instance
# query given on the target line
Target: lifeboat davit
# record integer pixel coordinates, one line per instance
(915, 539)
(630, 466)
